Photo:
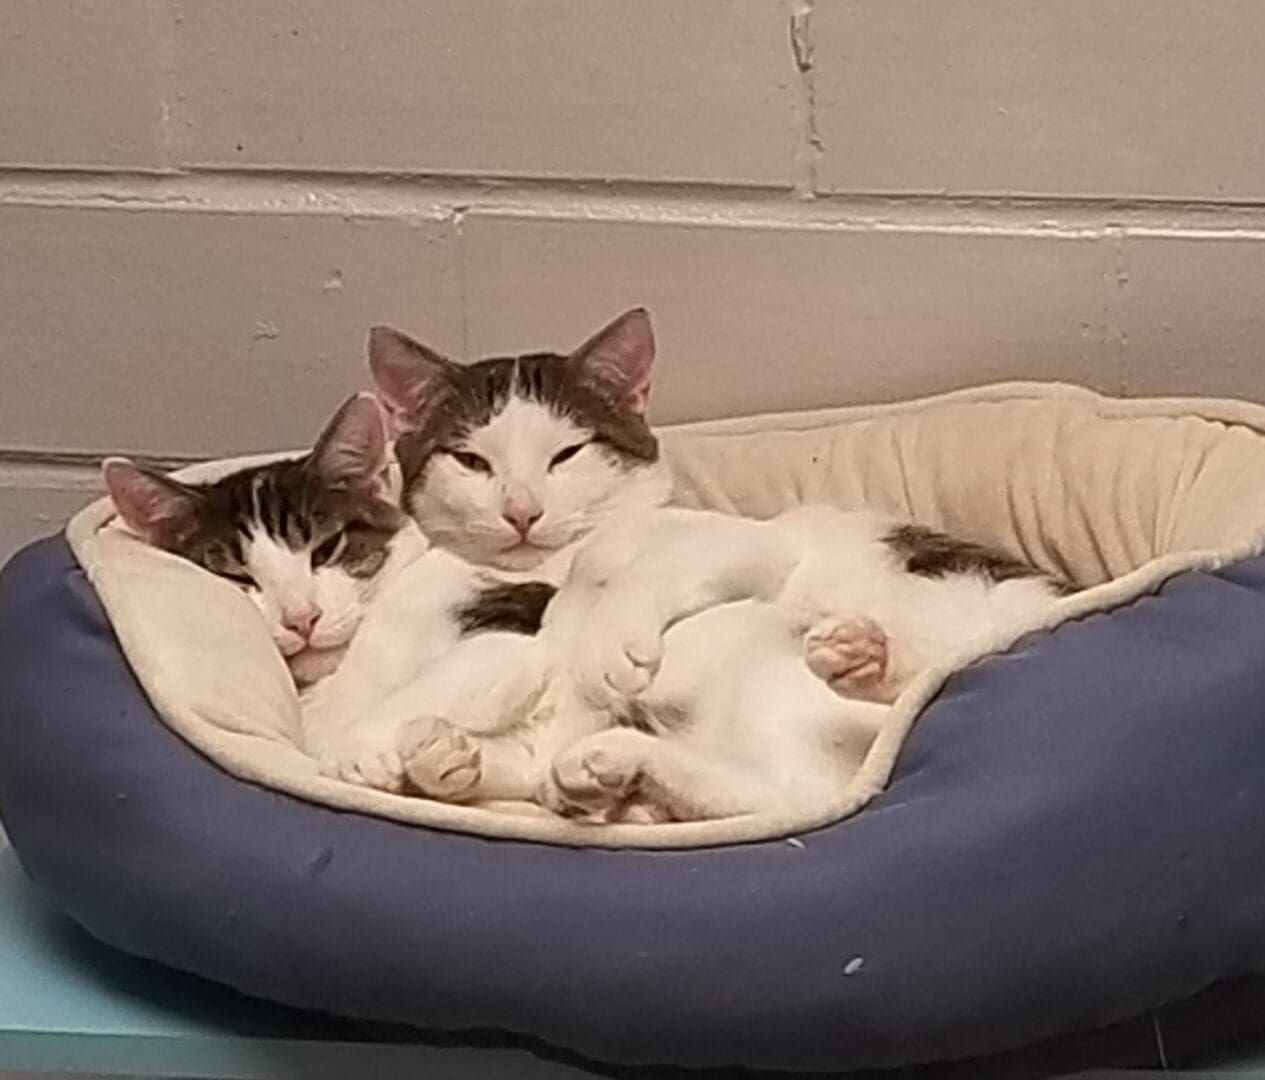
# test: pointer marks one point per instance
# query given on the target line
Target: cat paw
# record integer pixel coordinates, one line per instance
(440, 761)
(643, 812)
(849, 654)
(365, 762)
(622, 657)
(595, 780)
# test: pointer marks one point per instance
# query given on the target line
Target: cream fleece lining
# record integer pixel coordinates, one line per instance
(1118, 495)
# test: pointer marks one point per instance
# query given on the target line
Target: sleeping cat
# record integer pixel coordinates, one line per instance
(507, 465)
(309, 540)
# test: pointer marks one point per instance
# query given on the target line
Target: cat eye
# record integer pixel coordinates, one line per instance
(470, 461)
(328, 550)
(225, 562)
(566, 454)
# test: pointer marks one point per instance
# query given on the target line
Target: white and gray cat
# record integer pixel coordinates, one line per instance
(692, 666)
(310, 540)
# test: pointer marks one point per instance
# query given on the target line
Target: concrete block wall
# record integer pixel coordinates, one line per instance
(203, 205)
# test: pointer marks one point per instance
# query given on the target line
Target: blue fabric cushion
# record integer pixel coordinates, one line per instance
(1073, 836)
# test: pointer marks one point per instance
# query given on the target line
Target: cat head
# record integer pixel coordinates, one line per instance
(508, 460)
(304, 538)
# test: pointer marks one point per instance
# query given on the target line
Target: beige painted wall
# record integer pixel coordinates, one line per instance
(203, 204)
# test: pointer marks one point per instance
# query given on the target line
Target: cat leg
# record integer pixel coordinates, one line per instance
(468, 750)
(405, 629)
(440, 761)
(621, 774)
(473, 684)
(698, 563)
(365, 754)
(448, 759)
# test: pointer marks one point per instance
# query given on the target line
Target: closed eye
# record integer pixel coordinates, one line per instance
(242, 579)
(470, 461)
(566, 454)
(328, 550)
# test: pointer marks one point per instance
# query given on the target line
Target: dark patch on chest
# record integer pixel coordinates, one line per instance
(514, 607)
(932, 554)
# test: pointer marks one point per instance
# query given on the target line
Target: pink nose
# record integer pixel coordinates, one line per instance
(301, 620)
(522, 519)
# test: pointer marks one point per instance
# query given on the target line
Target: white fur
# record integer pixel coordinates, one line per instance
(711, 618)
(466, 511)
(409, 641)
(287, 587)
(696, 616)
(311, 611)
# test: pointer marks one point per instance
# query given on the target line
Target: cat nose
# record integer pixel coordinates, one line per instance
(301, 620)
(522, 518)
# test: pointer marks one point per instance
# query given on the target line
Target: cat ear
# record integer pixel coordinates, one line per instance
(352, 450)
(410, 377)
(621, 358)
(160, 510)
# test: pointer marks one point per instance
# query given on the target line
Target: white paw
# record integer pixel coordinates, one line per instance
(644, 812)
(621, 658)
(594, 779)
(440, 761)
(849, 654)
(366, 761)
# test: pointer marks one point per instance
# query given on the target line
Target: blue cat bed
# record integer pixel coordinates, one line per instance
(1070, 837)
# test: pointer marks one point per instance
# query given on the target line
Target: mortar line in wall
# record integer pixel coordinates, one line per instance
(163, 17)
(463, 278)
(282, 181)
(1114, 309)
(78, 463)
(809, 149)
(414, 198)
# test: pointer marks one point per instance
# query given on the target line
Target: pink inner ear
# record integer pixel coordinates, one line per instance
(352, 448)
(408, 376)
(621, 356)
(639, 392)
(156, 509)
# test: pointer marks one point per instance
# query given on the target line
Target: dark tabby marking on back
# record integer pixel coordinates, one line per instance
(928, 553)
(514, 607)
(295, 506)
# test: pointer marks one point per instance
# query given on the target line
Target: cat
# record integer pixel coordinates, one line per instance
(309, 540)
(507, 464)
(696, 665)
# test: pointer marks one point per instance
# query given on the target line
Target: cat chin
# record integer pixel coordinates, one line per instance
(520, 558)
(311, 665)
(499, 556)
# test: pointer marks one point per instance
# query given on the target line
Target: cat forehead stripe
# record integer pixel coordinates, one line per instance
(480, 391)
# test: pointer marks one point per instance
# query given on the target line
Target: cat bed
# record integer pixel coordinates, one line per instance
(1068, 837)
